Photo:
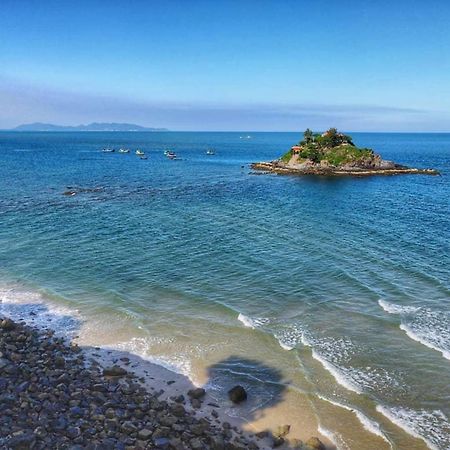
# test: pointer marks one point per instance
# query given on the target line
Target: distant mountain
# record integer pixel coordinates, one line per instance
(95, 126)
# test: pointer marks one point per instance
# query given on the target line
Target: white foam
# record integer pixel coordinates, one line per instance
(140, 346)
(289, 337)
(391, 308)
(432, 427)
(428, 339)
(334, 437)
(34, 309)
(430, 328)
(368, 424)
(252, 323)
(337, 374)
(285, 346)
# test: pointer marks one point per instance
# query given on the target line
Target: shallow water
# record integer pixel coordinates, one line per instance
(327, 297)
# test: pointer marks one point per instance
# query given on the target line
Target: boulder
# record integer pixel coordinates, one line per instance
(315, 443)
(237, 394)
(282, 430)
(7, 324)
(197, 393)
(114, 371)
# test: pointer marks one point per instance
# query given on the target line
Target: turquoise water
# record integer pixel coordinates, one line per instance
(340, 284)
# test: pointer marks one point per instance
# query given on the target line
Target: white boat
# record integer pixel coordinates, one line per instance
(171, 155)
(124, 150)
(140, 152)
(210, 151)
(108, 150)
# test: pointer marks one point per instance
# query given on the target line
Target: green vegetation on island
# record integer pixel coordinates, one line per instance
(332, 147)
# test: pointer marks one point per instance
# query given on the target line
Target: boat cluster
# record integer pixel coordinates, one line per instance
(168, 153)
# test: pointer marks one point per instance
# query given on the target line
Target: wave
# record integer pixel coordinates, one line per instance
(391, 308)
(334, 437)
(33, 308)
(338, 374)
(430, 328)
(140, 346)
(431, 427)
(252, 322)
(368, 424)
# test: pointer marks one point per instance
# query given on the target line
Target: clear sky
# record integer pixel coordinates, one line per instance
(227, 65)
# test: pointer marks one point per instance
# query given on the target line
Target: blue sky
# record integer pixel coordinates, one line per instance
(227, 65)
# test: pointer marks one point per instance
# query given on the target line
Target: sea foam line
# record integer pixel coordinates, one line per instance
(409, 421)
(333, 437)
(368, 424)
(331, 368)
(428, 339)
(252, 323)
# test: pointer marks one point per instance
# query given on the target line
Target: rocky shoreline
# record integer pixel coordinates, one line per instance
(57, 395)
(279, 168)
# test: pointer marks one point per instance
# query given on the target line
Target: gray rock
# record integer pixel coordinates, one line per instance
(114, 371)
(161, 442)
(145, 434)
(197, 393)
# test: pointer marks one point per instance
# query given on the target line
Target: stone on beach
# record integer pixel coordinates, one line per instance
(53, 395)
(315, 443)
(114, 371)
(197, 393)
(237, 394)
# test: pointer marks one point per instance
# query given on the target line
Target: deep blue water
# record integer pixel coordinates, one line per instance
(344, 279)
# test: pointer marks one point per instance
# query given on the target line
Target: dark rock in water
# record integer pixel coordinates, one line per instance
(197, 393)
(237, 394)
(315, 443)
(114, 371)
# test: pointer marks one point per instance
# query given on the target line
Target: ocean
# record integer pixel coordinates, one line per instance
(327, 298)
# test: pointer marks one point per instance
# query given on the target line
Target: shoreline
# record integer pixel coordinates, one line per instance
(167, 387)
(284, 169)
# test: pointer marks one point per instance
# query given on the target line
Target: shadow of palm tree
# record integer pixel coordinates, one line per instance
(263, 384)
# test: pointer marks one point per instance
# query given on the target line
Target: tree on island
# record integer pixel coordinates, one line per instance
(308, 136)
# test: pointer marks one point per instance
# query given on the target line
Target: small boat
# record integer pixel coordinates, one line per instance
(171, 155)
(108, 150)
(124, 150)
(140, 152)
(166, 152)
(143, 157)
(210, 151)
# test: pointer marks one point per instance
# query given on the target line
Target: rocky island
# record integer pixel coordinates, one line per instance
(333, 153)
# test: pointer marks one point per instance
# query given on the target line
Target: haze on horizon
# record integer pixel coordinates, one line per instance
(227, 65)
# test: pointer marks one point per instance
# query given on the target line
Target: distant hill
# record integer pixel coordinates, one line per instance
(95, 126)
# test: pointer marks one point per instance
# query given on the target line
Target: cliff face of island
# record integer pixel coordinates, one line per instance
(333, 153)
